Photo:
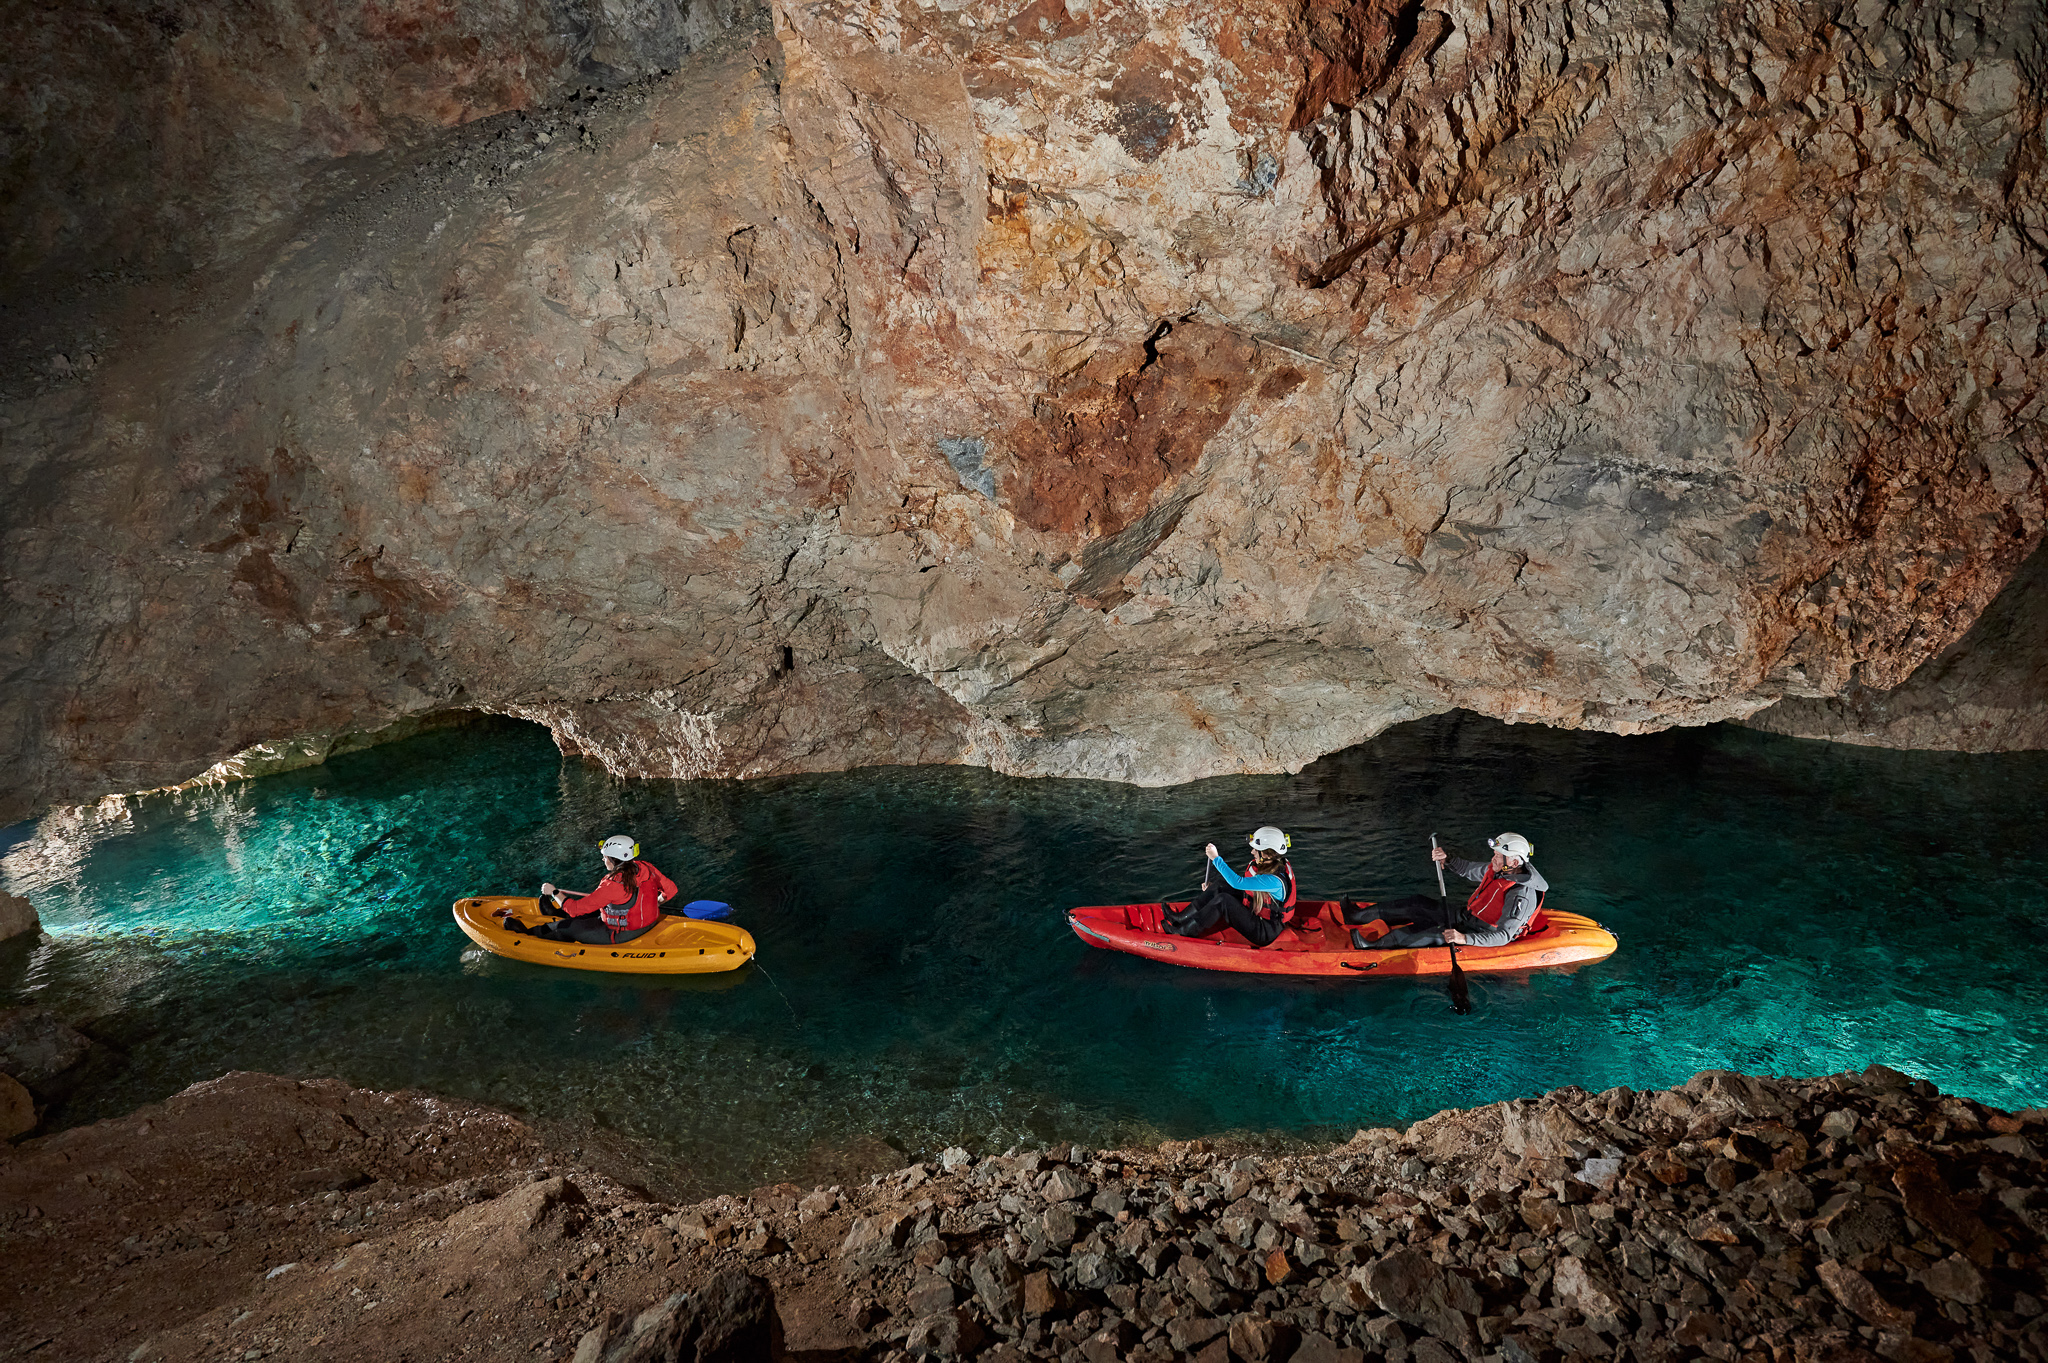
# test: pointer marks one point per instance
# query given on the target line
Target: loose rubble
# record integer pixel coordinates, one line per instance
(1832, 1220)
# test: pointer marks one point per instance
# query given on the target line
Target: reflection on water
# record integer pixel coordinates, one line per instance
(1783, 907)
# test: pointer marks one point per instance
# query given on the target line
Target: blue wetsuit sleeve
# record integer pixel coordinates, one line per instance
(1271, 885)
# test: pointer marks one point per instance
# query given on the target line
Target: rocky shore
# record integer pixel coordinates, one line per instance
(1846, 1218)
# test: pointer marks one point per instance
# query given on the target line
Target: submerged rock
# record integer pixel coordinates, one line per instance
(36, 1046)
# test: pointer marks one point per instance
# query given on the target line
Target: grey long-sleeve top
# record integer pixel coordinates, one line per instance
(1518, 908)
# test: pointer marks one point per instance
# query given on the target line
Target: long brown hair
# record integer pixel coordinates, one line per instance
(1262, 867)
(629, 874)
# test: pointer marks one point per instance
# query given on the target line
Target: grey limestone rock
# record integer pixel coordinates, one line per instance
(17, 916)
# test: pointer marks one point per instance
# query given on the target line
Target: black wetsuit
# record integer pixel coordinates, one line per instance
(1417, 920)
(1219, 904)
(588, 928)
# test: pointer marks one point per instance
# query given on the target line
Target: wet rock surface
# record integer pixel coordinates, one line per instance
(1842, 1219)
(1107, 390)
(17, 917)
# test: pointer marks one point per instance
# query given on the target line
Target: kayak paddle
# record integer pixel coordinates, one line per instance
(1461, 993)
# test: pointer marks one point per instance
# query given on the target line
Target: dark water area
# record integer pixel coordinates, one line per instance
(1783, 908)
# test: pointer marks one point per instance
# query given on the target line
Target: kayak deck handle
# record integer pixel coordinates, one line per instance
(1348, 966)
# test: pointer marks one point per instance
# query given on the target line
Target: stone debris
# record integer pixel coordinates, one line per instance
(1835, 1220)
(1854, 1217)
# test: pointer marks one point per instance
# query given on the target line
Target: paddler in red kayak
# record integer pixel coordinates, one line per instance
(1510, 891)
(626, 903)
(1258, 903)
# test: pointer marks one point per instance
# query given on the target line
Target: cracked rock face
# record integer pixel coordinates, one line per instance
(1134, 391)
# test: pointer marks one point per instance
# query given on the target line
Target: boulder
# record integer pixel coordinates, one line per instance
(1042, 1296)
(1576, 1284)
(998, 1284)
(1408, 1285)
(1541, 1129)
(521, 1221)
(949, 1334)
(17, 916)
(1254, 1339)
(1853, 1226)
(1857, 1295)
(1722, 1097)
(871, 1237)
(17, 1109)
(1111, 1344)
(1928, 1200)
(1188, 1333)
(1954, 1279)
(930, 1295)
(1064, 1185)
(732, 1320)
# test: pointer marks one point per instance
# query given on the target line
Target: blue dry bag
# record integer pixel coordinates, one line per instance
(706, 908)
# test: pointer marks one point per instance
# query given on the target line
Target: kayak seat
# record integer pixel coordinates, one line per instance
(1537, 923)
(1145, 917)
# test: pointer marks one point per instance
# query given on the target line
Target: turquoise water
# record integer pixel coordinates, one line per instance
(1783, 907)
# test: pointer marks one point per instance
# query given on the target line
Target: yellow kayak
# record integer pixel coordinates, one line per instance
(674, 946)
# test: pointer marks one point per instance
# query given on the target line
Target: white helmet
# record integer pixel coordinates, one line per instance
(619, 847)
(1270, 839)
(1512, 845)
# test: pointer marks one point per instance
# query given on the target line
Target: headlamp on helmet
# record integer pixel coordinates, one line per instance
(1512, 845)
(1270, 839)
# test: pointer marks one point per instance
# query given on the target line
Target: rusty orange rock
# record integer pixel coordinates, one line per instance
(1132, 392)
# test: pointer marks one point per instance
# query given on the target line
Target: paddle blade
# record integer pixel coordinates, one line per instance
(1461, 993)
(706, 908)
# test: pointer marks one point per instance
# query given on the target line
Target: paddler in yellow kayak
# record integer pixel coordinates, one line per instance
(626, 903)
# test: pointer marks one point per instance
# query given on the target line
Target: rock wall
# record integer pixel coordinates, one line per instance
(1136, 391)
(1987, 692)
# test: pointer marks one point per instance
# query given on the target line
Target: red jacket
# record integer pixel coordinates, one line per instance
(623, 910)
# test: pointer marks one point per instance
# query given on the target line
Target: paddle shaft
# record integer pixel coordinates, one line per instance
(1461, 996)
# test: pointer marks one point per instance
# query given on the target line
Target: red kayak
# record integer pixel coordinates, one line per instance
(1319, 943)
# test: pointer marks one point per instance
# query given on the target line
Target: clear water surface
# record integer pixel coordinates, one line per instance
(1783, 907)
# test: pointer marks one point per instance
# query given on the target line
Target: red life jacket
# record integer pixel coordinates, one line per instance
(621, 911)
(1491, 897)
(1286, 874)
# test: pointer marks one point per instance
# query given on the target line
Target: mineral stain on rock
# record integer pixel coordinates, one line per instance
(1614, 366)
